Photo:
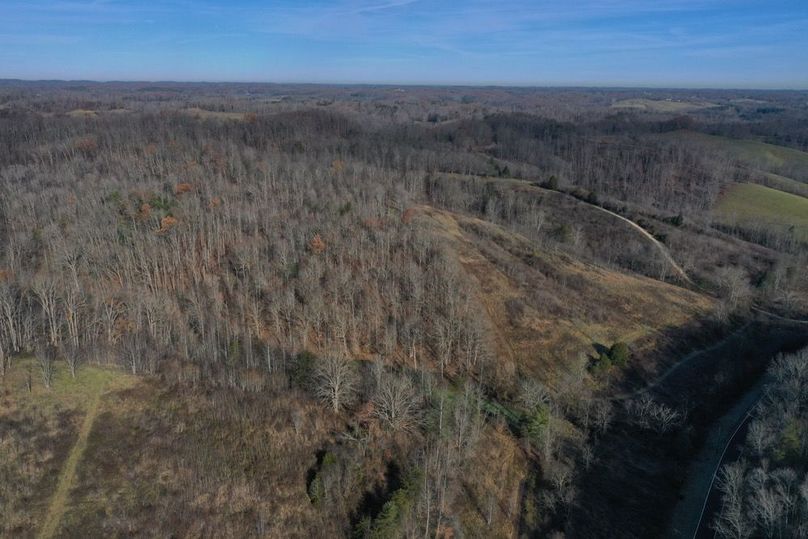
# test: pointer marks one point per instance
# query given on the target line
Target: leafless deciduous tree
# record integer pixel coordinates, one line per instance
(10, 316)
(5, 358)
(396, 402)
(46, 357)
(336, 381)
(766, 493)
(733, 520)
(47, 292)
(650, 414)
(73, 356)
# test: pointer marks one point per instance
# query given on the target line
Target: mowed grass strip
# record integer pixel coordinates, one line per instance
(750, 204)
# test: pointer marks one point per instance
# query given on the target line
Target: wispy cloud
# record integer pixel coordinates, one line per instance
(505, 38)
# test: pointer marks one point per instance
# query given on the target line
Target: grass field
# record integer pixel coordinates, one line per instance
(749, 204)
(41, 442)
(107, 453)
(658, 105)
(210, 114)
(788, 185)
(759, 155)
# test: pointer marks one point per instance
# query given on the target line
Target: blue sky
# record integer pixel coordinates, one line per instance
(715, 43)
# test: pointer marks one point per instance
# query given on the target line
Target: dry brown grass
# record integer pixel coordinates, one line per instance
(38, 429)
(549, 308)
(490, 500)
(168, 461)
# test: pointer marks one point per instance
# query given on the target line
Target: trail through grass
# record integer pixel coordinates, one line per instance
(59, 501)
(83, 395)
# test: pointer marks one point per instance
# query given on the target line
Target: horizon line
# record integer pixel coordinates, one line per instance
(419, 84)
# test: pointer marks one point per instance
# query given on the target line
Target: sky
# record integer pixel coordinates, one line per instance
(672, 43)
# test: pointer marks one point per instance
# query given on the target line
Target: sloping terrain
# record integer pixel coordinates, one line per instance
(345, 323)
(548, 308)
(107, 453)
(557, 220)
(158, 458)
(781, 183)
(752, 153)
(752, 205)
(144, 455)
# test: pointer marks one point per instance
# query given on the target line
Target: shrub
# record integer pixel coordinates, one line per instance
(789, 449)
(619, 354)
(603, 364)
(388, 523)
(317, 486)
(537, 422)
(563, 233)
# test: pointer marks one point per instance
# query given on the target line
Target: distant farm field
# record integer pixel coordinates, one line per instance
(749, 204)
(657, 105)
(211, 114)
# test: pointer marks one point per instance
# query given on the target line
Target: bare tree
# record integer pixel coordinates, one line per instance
(336, 381)
(73, 302)
(47, 292)
(650, 414)
(733, 520)
(604, 412)
(396, 402)
(46, 357)
(533, 394)
(10, 314)
(5, 358)
(133, 352)
(72, 356)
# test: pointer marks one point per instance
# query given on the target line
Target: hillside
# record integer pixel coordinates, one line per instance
(752, 206)
(752, 153)
(547, 308)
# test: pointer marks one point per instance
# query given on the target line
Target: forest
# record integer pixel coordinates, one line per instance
(371, 311)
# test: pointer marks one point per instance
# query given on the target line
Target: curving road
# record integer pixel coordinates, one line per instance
(700, 499)
(659, 246)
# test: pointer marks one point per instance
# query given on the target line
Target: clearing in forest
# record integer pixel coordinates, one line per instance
(546, 307)
(753, 205)
(753, 153)
(661, 105)
(60, 417)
